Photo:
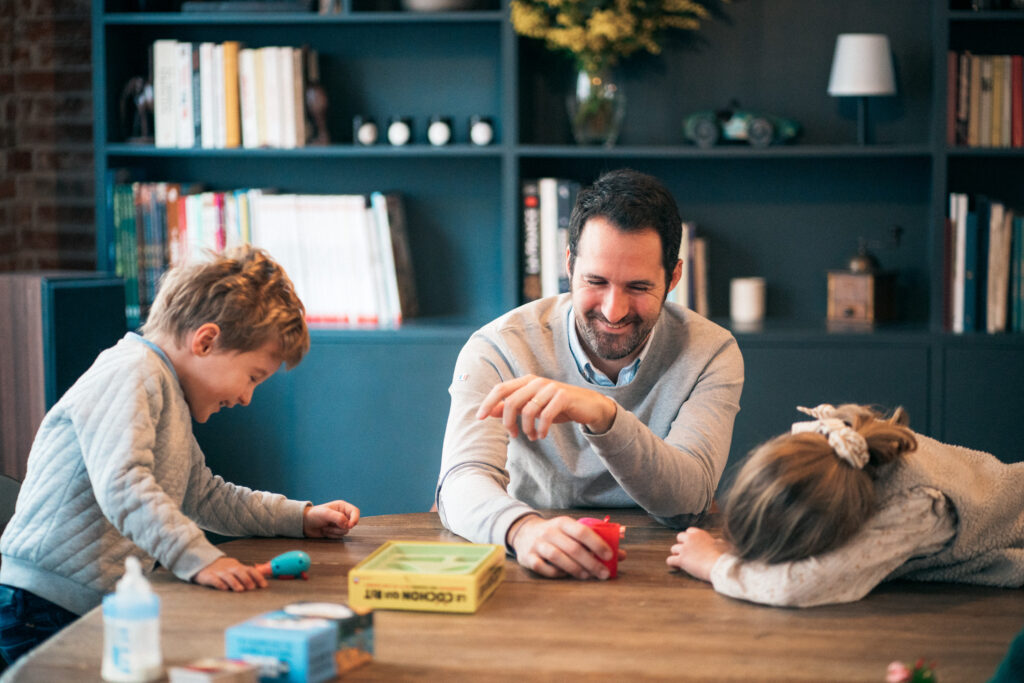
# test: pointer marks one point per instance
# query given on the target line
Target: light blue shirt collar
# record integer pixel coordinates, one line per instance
(587, 369)
(156, 349)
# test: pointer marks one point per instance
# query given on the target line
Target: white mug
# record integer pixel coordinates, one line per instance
(746, 299)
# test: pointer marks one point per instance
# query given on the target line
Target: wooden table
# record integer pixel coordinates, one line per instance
(648, 623)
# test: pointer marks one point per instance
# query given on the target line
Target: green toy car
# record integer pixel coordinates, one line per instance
(708, 128)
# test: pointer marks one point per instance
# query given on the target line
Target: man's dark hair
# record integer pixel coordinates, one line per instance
(630, 201)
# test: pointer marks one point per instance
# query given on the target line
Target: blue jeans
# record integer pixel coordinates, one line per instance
(26, 620)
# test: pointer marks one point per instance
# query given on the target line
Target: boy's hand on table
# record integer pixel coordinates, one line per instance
(329, 520)
(228, 574)
(696, 553)
(560, 547)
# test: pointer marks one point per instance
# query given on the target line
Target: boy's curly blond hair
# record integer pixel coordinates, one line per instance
(244, 292)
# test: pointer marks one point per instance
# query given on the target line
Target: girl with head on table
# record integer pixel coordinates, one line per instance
(851, 498)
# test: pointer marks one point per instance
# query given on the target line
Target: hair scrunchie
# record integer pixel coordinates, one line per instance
(847, 442)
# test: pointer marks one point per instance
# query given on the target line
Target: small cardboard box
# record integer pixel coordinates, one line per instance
(354, 646)
(286, 648)
(427, 576)
(214, 670)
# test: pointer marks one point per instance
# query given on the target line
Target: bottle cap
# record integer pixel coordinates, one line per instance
(134, 598)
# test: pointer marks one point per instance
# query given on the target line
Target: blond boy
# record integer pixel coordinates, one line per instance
(116, 471)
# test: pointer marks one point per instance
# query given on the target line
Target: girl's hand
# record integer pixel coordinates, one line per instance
(228, 574)
(330, 520)
(696, 553)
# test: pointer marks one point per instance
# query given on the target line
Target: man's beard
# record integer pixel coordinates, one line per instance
(613, 346)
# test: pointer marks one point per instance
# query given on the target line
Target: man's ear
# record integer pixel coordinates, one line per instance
(677, 273)
(204, 339)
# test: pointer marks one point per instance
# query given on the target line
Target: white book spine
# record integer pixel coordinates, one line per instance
(185, 120)
(377, 266)
(165, 93)
(247, 97)
(208, 132)
(393, 307)
(338, 248)
(219, 103)
(271, 127)
(285, 98)
(550, 263)
(959, 201)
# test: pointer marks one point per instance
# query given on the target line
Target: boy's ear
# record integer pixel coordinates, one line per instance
(204, 339)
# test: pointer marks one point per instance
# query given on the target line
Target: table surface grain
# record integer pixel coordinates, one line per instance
(649, 623)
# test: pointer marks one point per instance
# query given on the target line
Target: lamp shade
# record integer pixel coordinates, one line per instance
(862, 65)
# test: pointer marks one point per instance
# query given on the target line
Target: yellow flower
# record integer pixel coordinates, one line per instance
(597, 33)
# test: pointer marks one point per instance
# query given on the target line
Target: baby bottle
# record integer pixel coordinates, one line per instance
(131, 629)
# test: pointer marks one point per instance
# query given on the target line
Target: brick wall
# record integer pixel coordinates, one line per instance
(46, 158)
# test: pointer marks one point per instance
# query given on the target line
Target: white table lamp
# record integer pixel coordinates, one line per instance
(862, 67)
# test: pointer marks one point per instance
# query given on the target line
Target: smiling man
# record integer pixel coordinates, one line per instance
(603, 397)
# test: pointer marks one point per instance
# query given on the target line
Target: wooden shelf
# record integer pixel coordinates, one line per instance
(296, 18)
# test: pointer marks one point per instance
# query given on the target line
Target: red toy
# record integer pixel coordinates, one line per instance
(611, 533)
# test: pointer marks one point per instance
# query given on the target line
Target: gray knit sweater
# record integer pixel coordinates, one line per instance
(943, 513)
(988, 498)
(115, 471)
(665, 451)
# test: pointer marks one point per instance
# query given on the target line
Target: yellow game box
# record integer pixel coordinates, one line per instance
(427, 576)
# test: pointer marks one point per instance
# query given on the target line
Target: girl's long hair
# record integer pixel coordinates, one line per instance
(795, 498)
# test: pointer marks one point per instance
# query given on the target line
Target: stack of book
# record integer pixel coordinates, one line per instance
(223, 95)
(692, 290)
(348, 255)
(984, 266)
(985, 100)
(547, 207)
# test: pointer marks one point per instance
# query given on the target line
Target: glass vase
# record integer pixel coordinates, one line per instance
(596, 108)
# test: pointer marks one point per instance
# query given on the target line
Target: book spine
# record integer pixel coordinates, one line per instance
(232, 116)
(219, 98)
(700, 276)
(550, 264)
(400, 245)
(298, 96)
(531, 240)
(286, 97)
(959, 210)
(184, 125)
(197, 98)
(983, 208)
(165, 95)
(970, 287)
(271, 125)
(974, 121)
(1006, 108)
(567, 191)
(985, 103)
(393, 305)
(1017, 100)
(963, 98)
(259, 97)
(996, 130)
(207, 107)
(247, 98)
(994, 282)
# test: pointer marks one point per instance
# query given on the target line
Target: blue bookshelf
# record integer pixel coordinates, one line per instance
(363, 417)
